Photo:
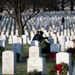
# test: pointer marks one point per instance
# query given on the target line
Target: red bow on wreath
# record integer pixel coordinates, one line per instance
(58, 68)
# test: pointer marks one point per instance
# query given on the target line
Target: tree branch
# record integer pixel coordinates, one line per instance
(32, 15)
(9, 13)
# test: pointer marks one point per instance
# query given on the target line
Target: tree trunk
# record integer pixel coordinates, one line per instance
(62, 5)
(71, 6)
(21, 30)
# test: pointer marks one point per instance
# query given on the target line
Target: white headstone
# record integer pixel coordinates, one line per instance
(17, 40)
(62, 40)
(51, 33)
(29, 41)
(12, 33)
(32, 35)
(57, 33)
(2, 33)
(26, 32)
(73, 37)
(10, 40)
(68, 32)
(69, 44)
(7, 34)
(3, 37)
(8, 62)
(16, 32)
(25, 39)
(67, 38)
(61, 33)
(65, 32)
(34, 51)
(65, 58)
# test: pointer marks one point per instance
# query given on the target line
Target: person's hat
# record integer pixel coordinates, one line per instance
(41, 32)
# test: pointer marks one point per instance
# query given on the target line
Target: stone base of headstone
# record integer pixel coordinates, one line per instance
(38, 64)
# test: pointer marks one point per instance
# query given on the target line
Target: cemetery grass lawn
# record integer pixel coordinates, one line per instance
(21, 67)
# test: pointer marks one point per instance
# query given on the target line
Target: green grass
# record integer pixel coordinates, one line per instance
(21, 67)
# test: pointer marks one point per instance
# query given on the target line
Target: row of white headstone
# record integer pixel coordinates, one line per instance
(31, 53)
(60, 43)
(32, 33)
(52, 28)
(57, 44)
(46, 20)
(35, 53)
(50, 31)
(34, 62)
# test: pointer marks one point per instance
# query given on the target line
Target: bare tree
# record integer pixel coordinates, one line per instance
(29, 7)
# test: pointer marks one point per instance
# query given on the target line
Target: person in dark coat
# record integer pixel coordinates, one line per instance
(39, 36)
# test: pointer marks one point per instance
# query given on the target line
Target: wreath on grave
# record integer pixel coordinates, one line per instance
(34, 72)
(61, 69)
(45, 47)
